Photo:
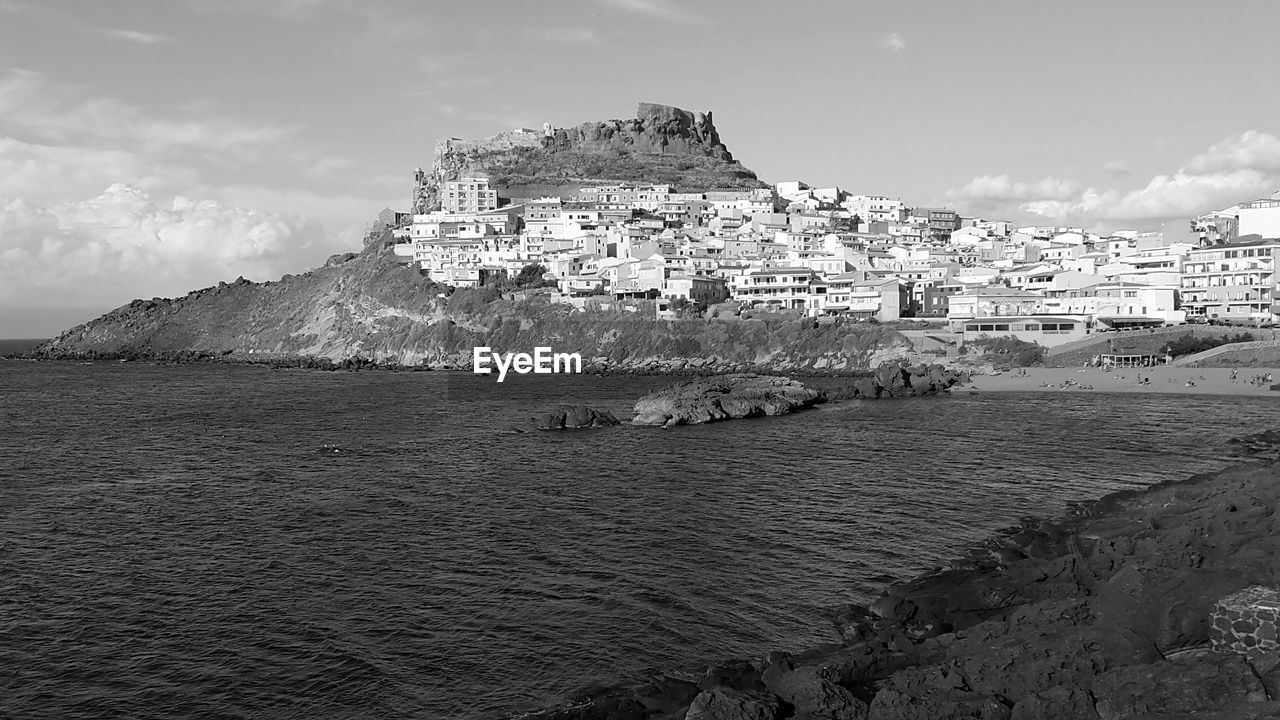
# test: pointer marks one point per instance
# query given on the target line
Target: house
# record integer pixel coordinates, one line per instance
(991, 301)
(784, 287)
(698, 288)
(867, 296)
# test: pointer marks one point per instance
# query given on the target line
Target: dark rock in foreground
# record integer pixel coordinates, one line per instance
(724, 397)
(569, 417)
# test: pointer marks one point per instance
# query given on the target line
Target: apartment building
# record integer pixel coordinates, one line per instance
(1236, 281)
(468, 195)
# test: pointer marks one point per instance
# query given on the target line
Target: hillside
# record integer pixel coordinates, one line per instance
(662, 144)
(368, 307)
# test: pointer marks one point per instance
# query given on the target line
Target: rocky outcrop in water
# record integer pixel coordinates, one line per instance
(724, 397)
(570, 417)
(1102, 615)
(897, 379)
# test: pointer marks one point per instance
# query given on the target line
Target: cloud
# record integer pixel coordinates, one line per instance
(1116, 168)
(656, 9)
(1251, 150)
(144, 38)
(121, 244)
(1003, 187)
(893, 42)
(30, 102)
(1239, 168)
(561, 35)
(48, 173)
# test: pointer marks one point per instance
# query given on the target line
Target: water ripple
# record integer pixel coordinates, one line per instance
(182, 540)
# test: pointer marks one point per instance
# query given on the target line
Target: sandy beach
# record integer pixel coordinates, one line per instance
(1182, 380)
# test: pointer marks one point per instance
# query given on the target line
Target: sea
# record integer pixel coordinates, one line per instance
(226, 541)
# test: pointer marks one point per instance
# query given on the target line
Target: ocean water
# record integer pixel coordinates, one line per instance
(180, 541)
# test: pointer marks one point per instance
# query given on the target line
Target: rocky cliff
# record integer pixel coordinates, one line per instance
(366, 307)
(662, 144)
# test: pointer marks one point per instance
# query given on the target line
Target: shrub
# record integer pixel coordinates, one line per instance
(1009, 351)
(1189, 344)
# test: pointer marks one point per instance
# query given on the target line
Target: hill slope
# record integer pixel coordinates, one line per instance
(370, 307)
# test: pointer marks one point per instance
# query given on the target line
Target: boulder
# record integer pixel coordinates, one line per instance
(854, 622)
(724, 703)
(724, 397)
(812, 693)
(568, 417)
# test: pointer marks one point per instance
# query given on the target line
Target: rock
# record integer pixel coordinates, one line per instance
(933, 693)
(812, 693)
(1182, 685)
(1170, 606)
(733, 674)
(855, 623)
(898, 379)
(728, 704)
(567, 417)
(998, 659)
(724, 397)
(1058, 703)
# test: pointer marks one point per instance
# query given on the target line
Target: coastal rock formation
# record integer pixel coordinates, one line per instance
(724, 397)
(369, 310)
(568, 417)
(898, 379)
(1104, 614)
(662, 144)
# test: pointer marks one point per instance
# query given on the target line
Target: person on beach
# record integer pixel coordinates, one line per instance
(1234, 373)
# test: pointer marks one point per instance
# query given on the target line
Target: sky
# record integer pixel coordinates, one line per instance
(153, 147)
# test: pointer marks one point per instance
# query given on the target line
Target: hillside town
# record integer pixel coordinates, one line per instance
(825, 252)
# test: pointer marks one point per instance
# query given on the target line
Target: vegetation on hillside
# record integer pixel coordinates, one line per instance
(1006, 352)
(1190, 344)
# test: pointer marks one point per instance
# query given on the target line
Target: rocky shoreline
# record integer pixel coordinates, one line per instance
(1105, 613)
(688, 367)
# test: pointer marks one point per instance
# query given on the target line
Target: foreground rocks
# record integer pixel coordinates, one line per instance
(724, 397)
(1102, 615)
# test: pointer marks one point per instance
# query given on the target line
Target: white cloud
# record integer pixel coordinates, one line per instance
(137, 36)
(1251, 150)
(1244, 167)
(657, 9)
(561, 36)
(102, 252)
(893, 42)
(1003, 187)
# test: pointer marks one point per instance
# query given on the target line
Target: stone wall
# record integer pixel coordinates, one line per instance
(1245, 623)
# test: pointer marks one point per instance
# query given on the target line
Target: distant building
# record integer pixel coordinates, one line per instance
(468, 195)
